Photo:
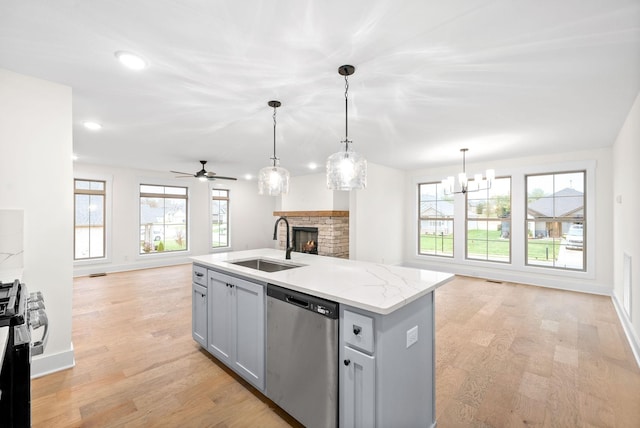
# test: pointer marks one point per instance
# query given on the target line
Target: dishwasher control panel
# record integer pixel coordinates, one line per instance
(326, 308)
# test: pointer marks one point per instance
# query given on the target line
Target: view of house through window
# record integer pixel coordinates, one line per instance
(89, 229)
(489, 222)
(163, 218)
(435, 219)
(219, 218)
(556, 223)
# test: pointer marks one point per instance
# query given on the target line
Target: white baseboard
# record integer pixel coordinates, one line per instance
(628, 329)
(50, 363)
(144, 264)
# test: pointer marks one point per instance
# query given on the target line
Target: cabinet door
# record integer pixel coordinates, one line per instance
(358, 396)
(199, 314)
(248, 319)
(220, 327)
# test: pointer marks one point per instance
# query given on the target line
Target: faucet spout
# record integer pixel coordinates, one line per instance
(288, 247)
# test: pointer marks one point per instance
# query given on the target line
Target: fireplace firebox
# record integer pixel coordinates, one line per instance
(305, 239)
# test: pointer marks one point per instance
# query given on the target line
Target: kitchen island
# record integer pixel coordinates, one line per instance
(385, 346)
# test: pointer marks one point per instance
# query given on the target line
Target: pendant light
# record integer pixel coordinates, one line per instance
(346, 170)
(273, 180)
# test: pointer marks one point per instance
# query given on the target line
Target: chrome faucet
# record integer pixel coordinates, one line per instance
(288, 246)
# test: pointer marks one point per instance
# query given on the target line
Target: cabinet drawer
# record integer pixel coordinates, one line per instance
(357, 331)
(199, 275)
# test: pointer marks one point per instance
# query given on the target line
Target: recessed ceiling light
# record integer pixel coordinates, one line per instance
(313, 165)
(94, 126)
(248, 176)
(74, 157)
(130, 60)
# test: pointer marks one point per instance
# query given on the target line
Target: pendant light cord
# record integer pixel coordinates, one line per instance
(274, 137)
(346, 114)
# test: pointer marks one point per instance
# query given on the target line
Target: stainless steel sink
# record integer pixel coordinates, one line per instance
(265, 265)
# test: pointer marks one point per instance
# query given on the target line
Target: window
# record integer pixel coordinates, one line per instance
(556, 223)
(163, 218)
(219, 218)
(489, 222)
(89, 230)
(435, 218)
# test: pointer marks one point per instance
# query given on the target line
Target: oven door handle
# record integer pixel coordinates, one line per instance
(37, 348)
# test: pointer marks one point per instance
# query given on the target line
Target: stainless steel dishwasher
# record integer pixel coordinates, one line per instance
(302, 356)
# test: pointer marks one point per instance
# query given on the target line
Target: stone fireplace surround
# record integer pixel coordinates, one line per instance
(333, 230)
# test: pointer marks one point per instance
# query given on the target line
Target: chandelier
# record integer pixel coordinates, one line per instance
(464, 185)
(346, 170)
(273, 180)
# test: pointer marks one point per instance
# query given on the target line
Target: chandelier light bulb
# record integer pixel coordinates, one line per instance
(479, 182)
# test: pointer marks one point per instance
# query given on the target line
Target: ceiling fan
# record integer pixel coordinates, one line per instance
(203, 174)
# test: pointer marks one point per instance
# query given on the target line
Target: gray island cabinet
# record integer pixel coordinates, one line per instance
(386, 344)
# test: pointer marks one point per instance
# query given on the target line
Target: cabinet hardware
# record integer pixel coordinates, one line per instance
(347, 362)
(356, 330)
(199, 274)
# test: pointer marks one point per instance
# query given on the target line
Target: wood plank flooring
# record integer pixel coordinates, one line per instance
(507, 355)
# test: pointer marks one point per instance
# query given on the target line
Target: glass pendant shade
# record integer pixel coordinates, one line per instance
(346, 170)
(273, 181)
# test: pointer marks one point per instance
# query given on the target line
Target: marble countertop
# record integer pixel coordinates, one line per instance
(377, 288)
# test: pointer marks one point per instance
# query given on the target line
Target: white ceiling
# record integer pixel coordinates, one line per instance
(504, 78)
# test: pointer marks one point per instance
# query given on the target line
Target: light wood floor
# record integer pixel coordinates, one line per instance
(507, 355)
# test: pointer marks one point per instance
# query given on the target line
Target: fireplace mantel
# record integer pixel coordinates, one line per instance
(333, 229)
(311, 213)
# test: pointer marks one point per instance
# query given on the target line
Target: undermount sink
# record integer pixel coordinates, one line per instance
(265, 265)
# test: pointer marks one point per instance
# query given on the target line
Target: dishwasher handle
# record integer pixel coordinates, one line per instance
(298, 302)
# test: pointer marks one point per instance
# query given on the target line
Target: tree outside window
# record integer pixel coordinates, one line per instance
(89, 229)
(163, 218)
(219, 218)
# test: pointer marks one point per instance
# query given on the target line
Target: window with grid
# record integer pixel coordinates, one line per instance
(556, 223)
(488, 214)
(219, 218)
(163, 218)
(89, 220)
(435, 220)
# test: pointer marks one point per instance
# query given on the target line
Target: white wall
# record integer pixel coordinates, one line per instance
(376, 217)
(36, 176)
(251, 221)
(597, 279)
(310, 193)
(626, 225)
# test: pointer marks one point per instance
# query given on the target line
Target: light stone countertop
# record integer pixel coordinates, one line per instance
(377, 288)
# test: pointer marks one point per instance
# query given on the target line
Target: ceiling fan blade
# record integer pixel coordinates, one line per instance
(218, 177)
(183, 173)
